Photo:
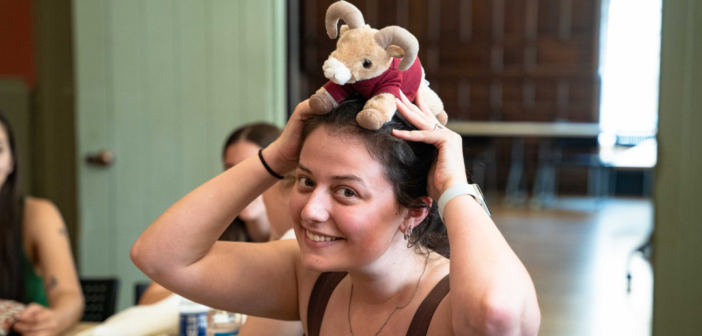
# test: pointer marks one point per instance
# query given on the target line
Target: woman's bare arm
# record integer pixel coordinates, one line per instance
(496, 295)
(180, 249)
(49, 237)
(154, 293)
(258, 326)
(491, 290)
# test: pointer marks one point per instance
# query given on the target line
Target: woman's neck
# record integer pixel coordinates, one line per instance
(392, 278)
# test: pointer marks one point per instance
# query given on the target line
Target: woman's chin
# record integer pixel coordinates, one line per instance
(320, 264)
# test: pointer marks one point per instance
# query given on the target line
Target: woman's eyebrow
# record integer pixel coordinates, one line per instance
(350, 178)
(336, 177)
(300, 166)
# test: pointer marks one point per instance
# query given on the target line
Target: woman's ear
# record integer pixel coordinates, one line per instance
(415, 216)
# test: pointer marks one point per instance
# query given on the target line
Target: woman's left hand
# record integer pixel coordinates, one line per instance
(448, 169)
(37, 320)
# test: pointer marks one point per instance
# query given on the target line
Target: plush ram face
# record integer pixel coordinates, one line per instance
(357, 57)
(363, 52)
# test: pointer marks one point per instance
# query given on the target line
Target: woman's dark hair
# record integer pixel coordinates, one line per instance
(262, 134)
(11, 242)
(406, 166)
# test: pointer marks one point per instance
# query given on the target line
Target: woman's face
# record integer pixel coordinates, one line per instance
(233, 155)
(7, 165)
(342, 193)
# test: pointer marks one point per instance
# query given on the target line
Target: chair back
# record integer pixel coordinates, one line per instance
(100, 298)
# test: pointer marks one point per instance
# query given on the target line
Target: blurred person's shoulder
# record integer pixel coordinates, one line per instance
(40, 214)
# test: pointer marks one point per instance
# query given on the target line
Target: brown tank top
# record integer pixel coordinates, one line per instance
(327, 282)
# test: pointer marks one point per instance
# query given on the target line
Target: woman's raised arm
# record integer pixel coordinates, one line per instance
(491, 291)
(180, 249)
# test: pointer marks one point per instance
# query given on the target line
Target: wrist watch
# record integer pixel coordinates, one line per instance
(462, 189)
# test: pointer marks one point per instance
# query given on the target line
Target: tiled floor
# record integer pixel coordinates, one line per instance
(576, 253)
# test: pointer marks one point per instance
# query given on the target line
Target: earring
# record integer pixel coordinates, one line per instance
(408, 232)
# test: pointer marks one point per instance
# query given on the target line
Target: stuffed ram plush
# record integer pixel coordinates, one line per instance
(367, 62)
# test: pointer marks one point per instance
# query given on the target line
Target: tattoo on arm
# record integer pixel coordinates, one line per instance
(52, 283)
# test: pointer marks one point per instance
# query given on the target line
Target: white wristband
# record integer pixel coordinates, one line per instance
(461, 189)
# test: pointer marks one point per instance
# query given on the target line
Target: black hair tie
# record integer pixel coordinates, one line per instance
(260, 156)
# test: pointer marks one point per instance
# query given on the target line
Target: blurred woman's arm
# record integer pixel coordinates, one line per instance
(49, 237)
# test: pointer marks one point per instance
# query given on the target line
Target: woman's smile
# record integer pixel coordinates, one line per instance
(314, 239)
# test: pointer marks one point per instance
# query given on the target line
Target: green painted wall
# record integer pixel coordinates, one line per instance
(161, 83)
(677, 260)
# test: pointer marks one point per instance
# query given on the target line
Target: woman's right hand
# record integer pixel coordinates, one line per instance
(284, 153)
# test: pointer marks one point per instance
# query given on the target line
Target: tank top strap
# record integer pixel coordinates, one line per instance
(422, 318)
(322, 291)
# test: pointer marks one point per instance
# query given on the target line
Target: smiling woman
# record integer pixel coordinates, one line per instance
(371, 252)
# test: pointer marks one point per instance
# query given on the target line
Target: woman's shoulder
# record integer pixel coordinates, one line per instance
(39, 215)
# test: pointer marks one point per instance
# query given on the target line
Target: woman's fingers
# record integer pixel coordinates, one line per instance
(413, 117)
(419, 100)
(409, 104)
(426, 136)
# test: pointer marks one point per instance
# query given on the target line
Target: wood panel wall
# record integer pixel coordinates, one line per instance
(511, 60)
(497, 60)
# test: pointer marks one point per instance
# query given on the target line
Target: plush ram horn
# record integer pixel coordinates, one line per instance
(344, 11)
(400, 37)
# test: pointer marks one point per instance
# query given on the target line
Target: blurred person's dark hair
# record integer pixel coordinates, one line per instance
(262, 134)
(11, 242)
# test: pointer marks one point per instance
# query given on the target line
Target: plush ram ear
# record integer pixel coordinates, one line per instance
(395, 51)
(400, 37)
(343, 29)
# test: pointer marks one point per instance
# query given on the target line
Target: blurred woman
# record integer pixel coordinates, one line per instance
(36, 265)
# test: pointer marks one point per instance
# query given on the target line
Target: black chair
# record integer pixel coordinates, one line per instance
(100, 298)
(139, 289)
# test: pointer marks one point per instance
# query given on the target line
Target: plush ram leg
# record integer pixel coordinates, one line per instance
(377, 111)
(432, 100)
(322, 102)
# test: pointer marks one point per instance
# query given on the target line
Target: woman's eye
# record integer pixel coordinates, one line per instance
(346, 192)
(305, 182)
(366, 63)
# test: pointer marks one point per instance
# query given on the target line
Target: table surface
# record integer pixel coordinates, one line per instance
(525, 129)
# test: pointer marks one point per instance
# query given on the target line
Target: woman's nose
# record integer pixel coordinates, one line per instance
(315, 210)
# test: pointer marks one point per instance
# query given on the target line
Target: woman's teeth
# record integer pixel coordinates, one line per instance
(315, 237)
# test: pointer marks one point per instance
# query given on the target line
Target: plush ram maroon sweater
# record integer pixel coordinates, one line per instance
(390, 81)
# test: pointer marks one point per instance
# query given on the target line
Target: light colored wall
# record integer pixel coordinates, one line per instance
(161, 83)
(677, 260)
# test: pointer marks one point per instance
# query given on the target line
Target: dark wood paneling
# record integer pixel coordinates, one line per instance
(516, 60)
(510, 60)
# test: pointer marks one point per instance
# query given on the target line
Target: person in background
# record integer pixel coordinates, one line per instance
(36, 265)
(252, 224)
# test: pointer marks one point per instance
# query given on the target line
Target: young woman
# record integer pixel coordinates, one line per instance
(351, 272)
(36, 266)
